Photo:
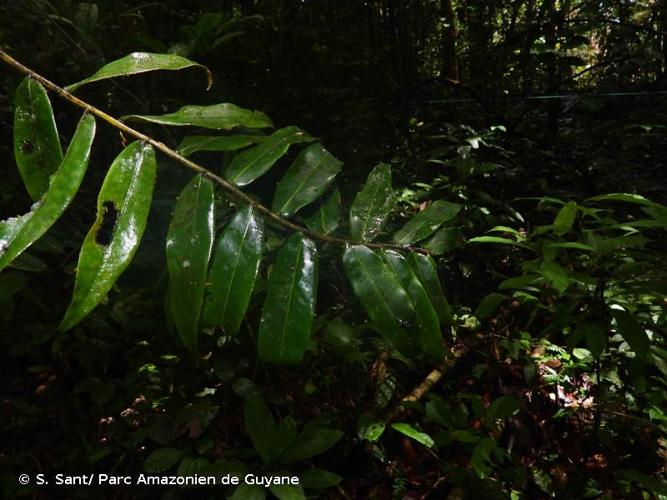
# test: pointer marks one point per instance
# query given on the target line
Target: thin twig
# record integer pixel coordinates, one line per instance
(224, 184)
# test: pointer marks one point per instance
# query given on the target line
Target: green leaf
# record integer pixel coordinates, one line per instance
(288, 491)
(502, 407)
(427, 273)
(36, 145)
(189, 242)
(370, 427)
(382, 295)
(249, 165)
(162, 459)
(305, 180)
(224, 116)
(261, 427)
(123, 204)
(445, 240)
(234, 270)
(325, 219)
(249, 492)
(319, 478)
(489, 304)
(287, 316)
(140, 62)
(312, 441)
(633, 333)
(565, 218)
(18, 233)
(370, 208)
(426, 325)
(498, 240)
(624, 197)
(426, 222)
(285, 435)
(193, 143)
(556, 276)
(596, 337)
(411, 432)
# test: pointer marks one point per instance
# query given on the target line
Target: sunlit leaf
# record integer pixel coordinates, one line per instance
(224, 116)
(632, 332)
(123, 204)
(411, 432)
(426, 222)
(189, 243)
(232, 276)
(249, 165)
(305, 180)
(287, 316)
(370, 208)
(565, 218)
(140, 62)
(382, 295)
(18, 233)
(36, 145)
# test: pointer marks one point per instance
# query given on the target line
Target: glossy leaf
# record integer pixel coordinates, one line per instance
(36, 145)
(261, 427)
(565, 218)
(632, 332)
(305, 180)
(426, 222)
(411, 432)
(324, 219)
(234, 270)
(189, 243)
(249, 165)
(18, 233)
(370, 208)
(193, 143)
(141, 62)
(382, 295)
(123, 204)
(224, 116)
(287, 316)
(425, 325)
(427, 273)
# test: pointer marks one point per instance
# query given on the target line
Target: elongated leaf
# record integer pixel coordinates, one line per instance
(497, 240)
(162, 459)
(193, 143)
(249, 165)
(306, 179)
(287, 317)
(234, 270)
(36, 144)
(632, 332)
(382, 295)
(288, 491)
(261, 427)
(319, 478)
(325, 218)
(426, 222)
(224, 116)
(411, 432)
(427, 273)
(123, 204)
(18, 233)
(370, 208)
(141, 62)
(489, 304)
(565, 218)
(246, 491)
(189, 243)
(426, 325)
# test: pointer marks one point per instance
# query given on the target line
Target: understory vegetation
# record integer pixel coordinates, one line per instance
(394, 249)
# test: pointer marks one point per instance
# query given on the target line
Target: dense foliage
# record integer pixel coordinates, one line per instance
(398, 249)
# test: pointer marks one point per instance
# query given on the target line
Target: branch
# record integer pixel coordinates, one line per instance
(224, 184)
(431, 379)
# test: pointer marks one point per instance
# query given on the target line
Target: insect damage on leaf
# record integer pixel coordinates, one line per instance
(109, 217)
(27, 147)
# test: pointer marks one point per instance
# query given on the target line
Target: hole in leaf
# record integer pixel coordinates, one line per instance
(27, 147)
(109, 217)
